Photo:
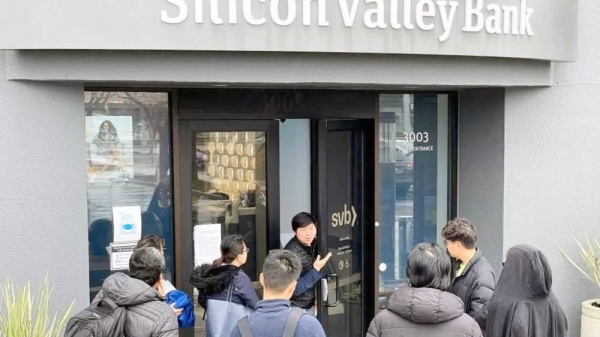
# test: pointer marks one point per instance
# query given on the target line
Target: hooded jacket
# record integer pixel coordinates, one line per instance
(147, 314)
(417, 312)
(475, 285)
(213, 283)
(523, 303)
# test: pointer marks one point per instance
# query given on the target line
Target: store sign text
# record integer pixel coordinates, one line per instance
(380, 14)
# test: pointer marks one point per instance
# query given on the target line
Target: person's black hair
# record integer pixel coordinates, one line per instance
(461, 230)
(280, 269)
(153, 241)
(302, 220)
(231, 247)
(146, 264)
(429, 267)
(111, 129)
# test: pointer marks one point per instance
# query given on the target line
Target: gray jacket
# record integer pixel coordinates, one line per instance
(423, 312)
(147, 314)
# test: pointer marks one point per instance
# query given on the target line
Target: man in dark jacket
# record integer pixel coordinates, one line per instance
(147, 313)
(303, 244)
(474, 279)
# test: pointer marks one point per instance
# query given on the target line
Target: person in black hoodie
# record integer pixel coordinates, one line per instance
(474, 278)
(424, 307)
(303, 244)
(213, 281)
(523, 303)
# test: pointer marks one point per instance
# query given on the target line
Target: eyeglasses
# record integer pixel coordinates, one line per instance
(247, 250)
(446, 243)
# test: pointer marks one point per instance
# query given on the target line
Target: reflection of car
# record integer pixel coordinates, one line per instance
(404, 171)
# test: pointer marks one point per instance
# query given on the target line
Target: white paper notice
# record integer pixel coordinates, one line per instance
(207, 243)
(120, 253)
(127, 223)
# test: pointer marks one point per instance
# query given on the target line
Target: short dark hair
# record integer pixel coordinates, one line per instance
(280, 269)
(146, 264)
(153, 241)
(462, 230)
(429, 267)
(302, 220)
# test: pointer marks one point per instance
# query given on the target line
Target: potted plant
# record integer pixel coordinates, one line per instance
(25, 314)
(590, 309)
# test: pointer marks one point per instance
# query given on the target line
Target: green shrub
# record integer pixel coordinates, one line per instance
(590, 254)
(25, 314)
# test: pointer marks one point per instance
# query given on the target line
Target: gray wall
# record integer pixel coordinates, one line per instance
(206, 69)
(294, 173)
(43, 184)
(481, 167)
(552, 164)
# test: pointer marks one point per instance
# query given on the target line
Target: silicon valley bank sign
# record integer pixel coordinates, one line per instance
(529, 29)
(425, 15)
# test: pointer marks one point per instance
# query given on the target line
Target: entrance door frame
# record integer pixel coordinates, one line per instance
(228, 105)
(320, 207)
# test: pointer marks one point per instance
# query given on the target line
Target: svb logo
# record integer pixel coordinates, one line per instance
(346, 217)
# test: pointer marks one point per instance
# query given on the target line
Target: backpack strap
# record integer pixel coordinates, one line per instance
(292, 322)
(108, 302)
(244, 327)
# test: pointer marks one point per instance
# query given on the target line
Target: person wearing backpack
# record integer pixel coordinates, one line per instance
(129, 306)
(177, 299)
(274, 316)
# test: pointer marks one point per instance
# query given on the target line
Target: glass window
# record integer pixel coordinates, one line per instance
(414, 149)
(229, 192)
(229, 188)
(129, 163)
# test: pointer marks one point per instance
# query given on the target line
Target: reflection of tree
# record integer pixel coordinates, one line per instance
(149, 111)
(96, 100)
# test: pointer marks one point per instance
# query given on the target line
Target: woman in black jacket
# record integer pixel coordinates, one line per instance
(214, 282)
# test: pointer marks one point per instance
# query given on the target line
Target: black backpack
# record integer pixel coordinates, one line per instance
(105, 319)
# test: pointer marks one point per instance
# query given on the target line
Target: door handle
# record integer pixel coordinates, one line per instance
(337, 293)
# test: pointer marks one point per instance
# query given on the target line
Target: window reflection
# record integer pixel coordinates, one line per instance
(232, 198)
(128, 160)
(413, 145)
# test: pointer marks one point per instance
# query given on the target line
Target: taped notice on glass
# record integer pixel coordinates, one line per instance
(127, 223)
(207, 243)
(120, 253)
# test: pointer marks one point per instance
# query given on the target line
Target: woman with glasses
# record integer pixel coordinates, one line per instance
(224, 290)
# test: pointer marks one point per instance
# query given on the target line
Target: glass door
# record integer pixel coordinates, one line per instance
(229, 185)
(345, 203)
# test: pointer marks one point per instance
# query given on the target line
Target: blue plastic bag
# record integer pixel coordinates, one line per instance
(187, 319)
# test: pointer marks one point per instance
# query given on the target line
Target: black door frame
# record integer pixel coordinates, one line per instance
(319, 130)
(185, 170)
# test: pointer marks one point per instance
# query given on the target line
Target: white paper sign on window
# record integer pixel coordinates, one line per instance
(120, 253)
(127, 223)
(207, 243)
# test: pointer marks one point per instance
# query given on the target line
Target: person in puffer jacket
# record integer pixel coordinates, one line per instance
(147, 313)
(213, 281)
(474, 278)
(424, 307)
